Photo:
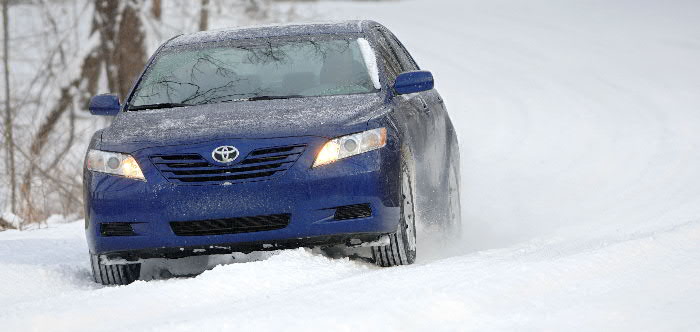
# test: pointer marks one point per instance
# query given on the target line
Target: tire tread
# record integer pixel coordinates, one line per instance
(396, 252)
(117, 274)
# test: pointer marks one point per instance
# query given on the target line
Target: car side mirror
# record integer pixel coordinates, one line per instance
(106, 104)
(413, 81)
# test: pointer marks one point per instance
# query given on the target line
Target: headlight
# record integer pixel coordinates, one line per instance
(114, 163)
(350, 145)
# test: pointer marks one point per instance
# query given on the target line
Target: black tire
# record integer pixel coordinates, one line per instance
(117, 274)
(401, 249)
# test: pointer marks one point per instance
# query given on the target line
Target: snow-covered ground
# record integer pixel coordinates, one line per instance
(579, 125)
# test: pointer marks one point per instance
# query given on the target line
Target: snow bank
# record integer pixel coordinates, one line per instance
(12, 220)
(621, 281)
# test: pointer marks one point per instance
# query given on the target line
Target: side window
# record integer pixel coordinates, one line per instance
(407, 62)
(391, 63)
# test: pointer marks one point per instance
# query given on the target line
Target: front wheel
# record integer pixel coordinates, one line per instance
(401, 249)
(116, 274)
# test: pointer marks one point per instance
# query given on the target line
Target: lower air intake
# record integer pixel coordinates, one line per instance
(352, 212)
(230, 225)
(116, 229)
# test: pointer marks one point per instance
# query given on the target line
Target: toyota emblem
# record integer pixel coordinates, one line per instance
(225, 154)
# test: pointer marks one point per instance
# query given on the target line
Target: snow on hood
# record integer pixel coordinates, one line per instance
(311, 116)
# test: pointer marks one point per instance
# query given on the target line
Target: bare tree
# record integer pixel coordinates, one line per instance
(119, 56)
(156, 9)
(204, 16)
(9, 138)
(130, 51)
(105, 23)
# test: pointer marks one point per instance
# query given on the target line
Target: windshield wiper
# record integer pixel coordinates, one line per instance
(172, 105)
(274, 97)
(156, 106)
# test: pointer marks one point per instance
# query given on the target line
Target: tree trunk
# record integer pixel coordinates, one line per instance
(130, 51)
(204, 16)
(156, 9)
(105, 22)
(9, 138)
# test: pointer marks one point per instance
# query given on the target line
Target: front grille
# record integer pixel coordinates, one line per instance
(352, 212)
(260, 164)
(231, 225)
(116, 229)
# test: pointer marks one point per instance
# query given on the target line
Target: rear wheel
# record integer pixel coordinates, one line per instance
(117, 274)
(401, 249)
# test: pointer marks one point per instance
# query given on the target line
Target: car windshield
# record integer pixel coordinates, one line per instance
(269, 69)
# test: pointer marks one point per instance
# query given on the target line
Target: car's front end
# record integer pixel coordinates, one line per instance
(275, 194)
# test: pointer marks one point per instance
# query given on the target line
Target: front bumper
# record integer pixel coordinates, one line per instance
(308, 195)
(351, 240)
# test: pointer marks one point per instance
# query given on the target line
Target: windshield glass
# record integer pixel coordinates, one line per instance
(269, 69)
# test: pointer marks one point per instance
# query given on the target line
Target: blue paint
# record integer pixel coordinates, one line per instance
(106, 104)
(413, 81)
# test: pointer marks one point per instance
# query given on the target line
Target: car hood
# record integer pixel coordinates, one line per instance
(327, 116)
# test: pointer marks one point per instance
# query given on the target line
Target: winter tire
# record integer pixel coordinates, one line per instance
(401, 249)
(117, 274)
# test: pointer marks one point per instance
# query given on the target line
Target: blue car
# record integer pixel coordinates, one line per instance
(264, 138)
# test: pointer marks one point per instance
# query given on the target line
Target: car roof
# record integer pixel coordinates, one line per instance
(266, 31)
